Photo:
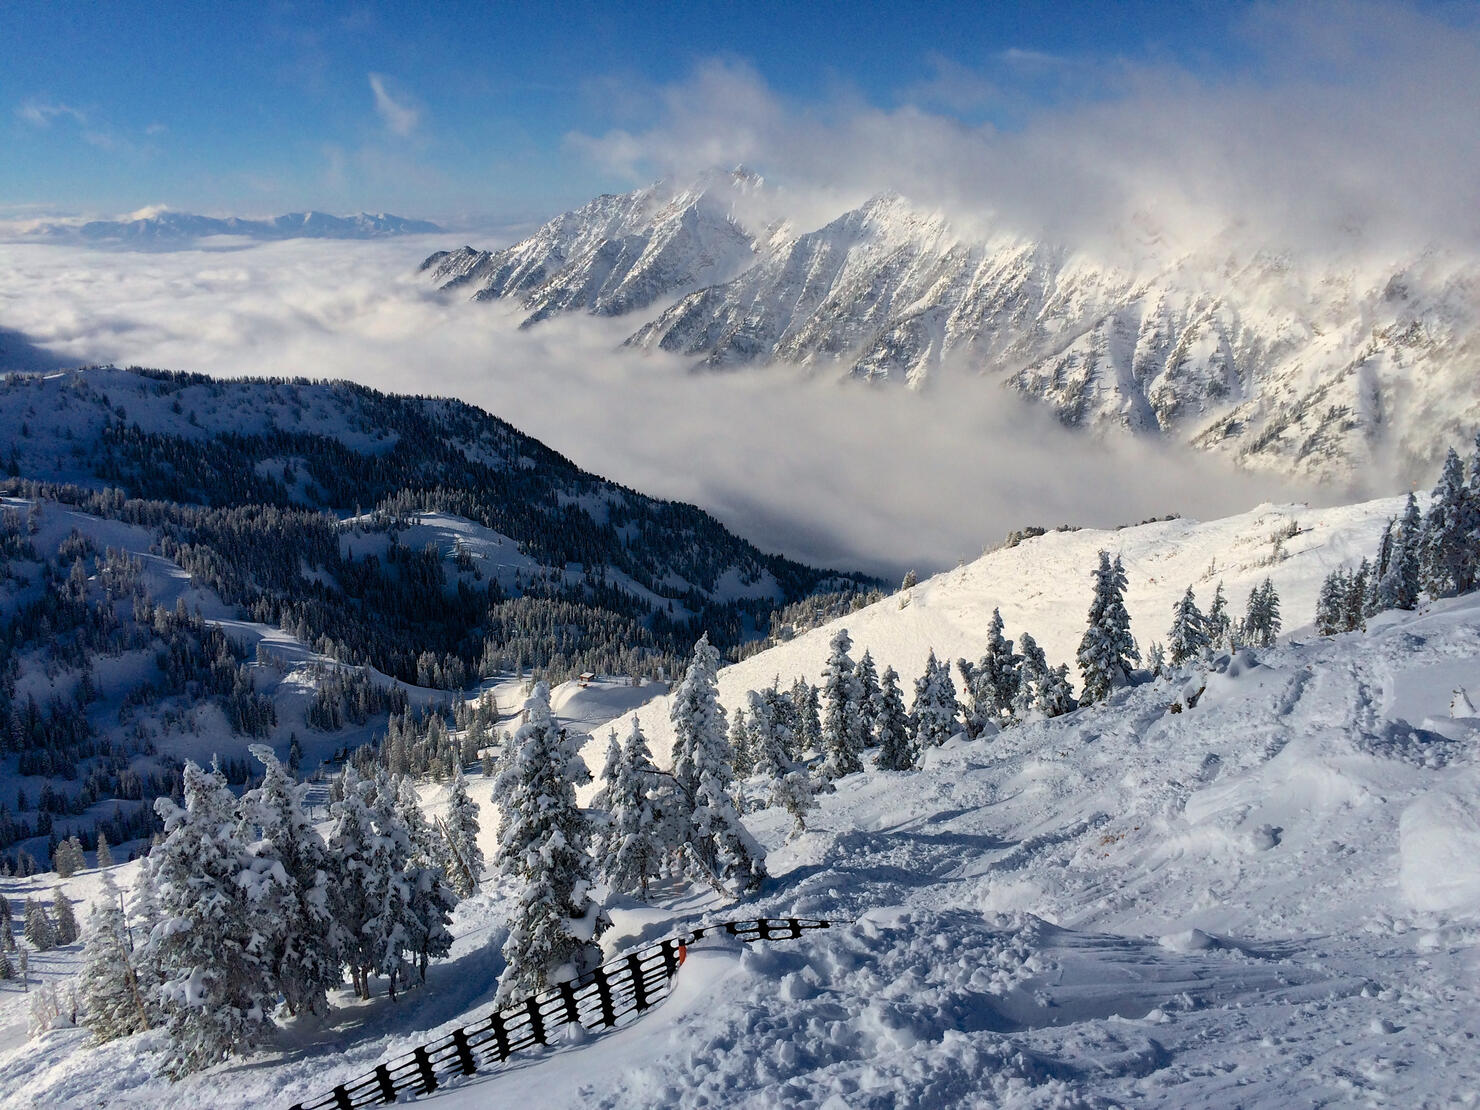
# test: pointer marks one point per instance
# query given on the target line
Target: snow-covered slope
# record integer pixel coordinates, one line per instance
(1270, 899)
(1309, 366)
(1043, 586)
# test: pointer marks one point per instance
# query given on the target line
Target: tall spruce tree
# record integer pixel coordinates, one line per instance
(634, 852)
(806, 706)
(543, 841)
(1107, 652)
(215, 985)
(842, 724)
(1187, 639)
(791, 789)
(934, 715)
(1261, 624)
(113, 1003)
(868, 700)
(1445, 547)
(460, 828)
(293, 868)
(66, 920)
(896, 753)
(992, 683)
(1400, 584)
(1218, 623)
(1331, 604)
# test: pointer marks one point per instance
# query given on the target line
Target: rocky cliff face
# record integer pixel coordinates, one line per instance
(1318, 369)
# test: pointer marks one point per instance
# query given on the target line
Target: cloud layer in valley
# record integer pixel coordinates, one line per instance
(876, 478)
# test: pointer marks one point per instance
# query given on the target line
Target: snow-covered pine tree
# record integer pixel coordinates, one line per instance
(105, 854)
(1156, 659)
(352, 851)
(741, 757)
(992, 683)
(698, 720)
(66, 920)
(1187, 639)
(1218, 623)
(1331, 604)
(896, 752)
(542, 846)
(1400, 582)
(292, 863)
(934, 715)
(1445, 556)
(461, 830)
(1107, 652)
(842, 722)
(1354, 604)
(868, 703)
(39, 931)
(806, 703)
(634, 845)
(411, 903)
(215, 986)
(1261, 623)
(791, 789)
(1032, 671)
(1056, 696)
(113, 1003)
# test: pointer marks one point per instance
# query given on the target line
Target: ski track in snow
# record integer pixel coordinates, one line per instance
(1271, 899)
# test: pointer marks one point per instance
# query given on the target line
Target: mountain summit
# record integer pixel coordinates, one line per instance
(1320, 368)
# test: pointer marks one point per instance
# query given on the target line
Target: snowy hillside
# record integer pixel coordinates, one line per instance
(1269, 899)
(1305, 367)
(1042, 586)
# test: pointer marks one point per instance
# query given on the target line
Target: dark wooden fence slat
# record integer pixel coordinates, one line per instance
(464, 1053)
(424, 1065)
(387, 1088)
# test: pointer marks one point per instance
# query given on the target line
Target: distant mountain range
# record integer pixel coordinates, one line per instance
(166, 227)
(1321, 370)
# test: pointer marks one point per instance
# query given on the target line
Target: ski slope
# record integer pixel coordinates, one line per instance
(1269, 899)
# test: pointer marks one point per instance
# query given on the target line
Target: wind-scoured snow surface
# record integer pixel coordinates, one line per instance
(1270, 899)
(1318, 367)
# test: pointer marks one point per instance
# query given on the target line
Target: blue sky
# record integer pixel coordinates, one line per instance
(453, 108)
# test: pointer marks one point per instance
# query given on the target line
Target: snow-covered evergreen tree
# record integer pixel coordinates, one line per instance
(1358, 586)
(1107, 652)
(113, 1003)
(1445, 555)
(465, 868)
(292, 903)
(1261, 624)
(868, 698)
(215, 986)
(1187, 639)
(543, 839)
(1056, 695)
(896, 752)
(635, 847)
(1331, 604)
(66, 920)
(105, 853)
(806, 703)
(791, 789)
(992, 683)
(1218, 623)
(39, 930)
(741, 757)
(842, 723)
(1399, 586)
(934, 715)
(699, 732)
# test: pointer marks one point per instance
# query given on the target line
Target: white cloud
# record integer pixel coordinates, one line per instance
(399, 116)
(38, 113)
(879, 478)
(1351, 121)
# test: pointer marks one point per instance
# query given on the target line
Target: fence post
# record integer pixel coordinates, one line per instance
(604, 995)
(536, 1019)
(464, 1053)
(639, 988)
(500, 1036)
(572, 1008)
(424, 1065)
(387, 1086)
(342, 1099)
(670, 958)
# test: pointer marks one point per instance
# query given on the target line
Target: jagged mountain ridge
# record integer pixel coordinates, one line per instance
(615, 255)
(1315, 370)
(164, 227)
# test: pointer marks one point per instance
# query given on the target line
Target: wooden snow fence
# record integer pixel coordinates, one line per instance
(600, 999)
